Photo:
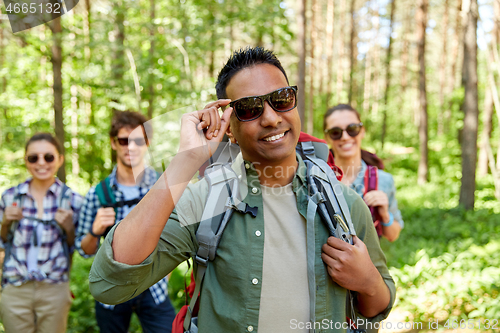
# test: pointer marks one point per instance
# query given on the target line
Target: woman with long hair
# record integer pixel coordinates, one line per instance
(344, 133)
(38, 219)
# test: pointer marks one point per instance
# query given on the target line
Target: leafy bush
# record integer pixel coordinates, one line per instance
(446, 263)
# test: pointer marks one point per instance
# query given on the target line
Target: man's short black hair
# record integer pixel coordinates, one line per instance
(130, 119)
(241, 59)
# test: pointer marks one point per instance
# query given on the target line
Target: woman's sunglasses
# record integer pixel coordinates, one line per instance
(250, 108)
(49, 158)
(125, 141)
(353, 130)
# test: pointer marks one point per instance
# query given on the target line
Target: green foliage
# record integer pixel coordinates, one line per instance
(82, 314)
(446, 261)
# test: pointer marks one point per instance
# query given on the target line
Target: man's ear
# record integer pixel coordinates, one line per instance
(113, 143)
(229, 133)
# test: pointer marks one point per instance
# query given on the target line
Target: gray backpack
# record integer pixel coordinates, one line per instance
(325, 196)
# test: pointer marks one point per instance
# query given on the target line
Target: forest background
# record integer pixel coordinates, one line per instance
(424, 76)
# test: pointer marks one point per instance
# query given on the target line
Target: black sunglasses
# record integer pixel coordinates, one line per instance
(125, 141)
(353, 130)
(49, 158)
(252, 107)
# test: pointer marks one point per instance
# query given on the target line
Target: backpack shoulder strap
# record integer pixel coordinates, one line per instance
(18, 200)
(327, 177)
(371, 178)
(325, 197)
(222, 200)
(64, 195)
(105, 193)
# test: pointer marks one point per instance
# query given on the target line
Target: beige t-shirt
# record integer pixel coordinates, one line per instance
(285, 294)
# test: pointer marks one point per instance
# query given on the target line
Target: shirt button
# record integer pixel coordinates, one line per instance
(254, 190)
(247, 166)
(250, 328)
(258, 233)
(255, 281)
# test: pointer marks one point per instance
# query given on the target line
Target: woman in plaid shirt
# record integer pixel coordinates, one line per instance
(38, 221)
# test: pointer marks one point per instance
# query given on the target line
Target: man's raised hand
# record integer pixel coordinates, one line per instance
(105, 218)
(202, 131)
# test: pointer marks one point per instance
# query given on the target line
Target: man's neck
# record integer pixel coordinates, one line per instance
(125, 174)
(277, 175)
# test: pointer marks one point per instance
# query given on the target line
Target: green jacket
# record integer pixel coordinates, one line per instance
(229, 300)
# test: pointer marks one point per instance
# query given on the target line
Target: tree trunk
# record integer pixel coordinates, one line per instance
(119, 50)
(86, 31)
(388, 74)
(470, 106)
(486, 134)
(368, 80)
(56, 60)
(352, 54)
(340, 59)
(330, 17)
(423, 173)
(310, 117)
(442, 68)
(483, 161)
(376, 62)
(405, 53)
(75, 166)
(152, 59)
(301, 37)
(451, 84)
(4, 80)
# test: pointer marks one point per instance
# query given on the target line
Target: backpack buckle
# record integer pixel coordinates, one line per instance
(307, 148)
(201, 261)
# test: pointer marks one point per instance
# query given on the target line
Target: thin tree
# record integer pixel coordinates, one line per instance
(340, 47)
(88, 55)
(152, 31)
(376, 61)
(330, 16)
(310, 116)
(352, 52)
(4, 79)
(470, 105)
(56, 59)
(454, 55)
(301, 22)
(488, 101)
(423, 173)
(368, 72)
(442, 67)
(388, 73)
(118, 66)
(482, 163)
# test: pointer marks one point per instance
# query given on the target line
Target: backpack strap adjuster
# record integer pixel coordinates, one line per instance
(201, 261)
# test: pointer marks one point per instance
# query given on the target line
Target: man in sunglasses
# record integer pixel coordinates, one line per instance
(264, 268)
(128, 140)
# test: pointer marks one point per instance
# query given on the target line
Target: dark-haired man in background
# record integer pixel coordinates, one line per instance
(260, 279)
(152, 305)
